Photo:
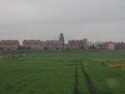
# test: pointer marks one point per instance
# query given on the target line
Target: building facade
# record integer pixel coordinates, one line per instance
(107, 46)
(77, 44)
(120, 46)
(42, 45)
(32, 44)
(9, 44)
(52, 45)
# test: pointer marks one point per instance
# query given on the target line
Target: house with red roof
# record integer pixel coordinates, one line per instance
(9, 44)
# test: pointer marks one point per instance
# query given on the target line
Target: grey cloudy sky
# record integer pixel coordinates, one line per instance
(102, 20)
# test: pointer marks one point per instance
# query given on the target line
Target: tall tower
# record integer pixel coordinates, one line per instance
(61, 38)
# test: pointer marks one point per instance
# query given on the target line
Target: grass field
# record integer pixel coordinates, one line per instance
(72, 72)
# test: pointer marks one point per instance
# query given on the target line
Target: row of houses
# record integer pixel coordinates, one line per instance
(55, 44)
(106, 46)
(85, 44)
(31, 44)
(111, 46)
(77, 44)
(9, 44)
(41, 45)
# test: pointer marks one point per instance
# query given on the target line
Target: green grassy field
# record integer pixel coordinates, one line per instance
(76, 72)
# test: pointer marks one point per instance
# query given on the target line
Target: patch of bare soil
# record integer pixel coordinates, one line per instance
(9, 56)
(1, 56)
(119, 66)
(114, 65)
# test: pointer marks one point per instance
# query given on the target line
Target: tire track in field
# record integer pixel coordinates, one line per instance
(75, 89)
(90, 86)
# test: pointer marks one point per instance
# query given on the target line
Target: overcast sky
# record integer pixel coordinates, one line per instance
(102, 20)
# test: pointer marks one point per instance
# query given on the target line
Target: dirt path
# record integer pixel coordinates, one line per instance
(90, 86)
(75, 89)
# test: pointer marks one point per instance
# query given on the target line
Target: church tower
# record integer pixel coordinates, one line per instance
(61, 40)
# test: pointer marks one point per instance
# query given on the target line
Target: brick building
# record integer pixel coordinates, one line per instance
(107, 46)
(120, 46)
(52, 44)
(32, 44)
(41, 45)
(9, 44)
(77, 44)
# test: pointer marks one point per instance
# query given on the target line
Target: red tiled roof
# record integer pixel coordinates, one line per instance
(9, 42)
